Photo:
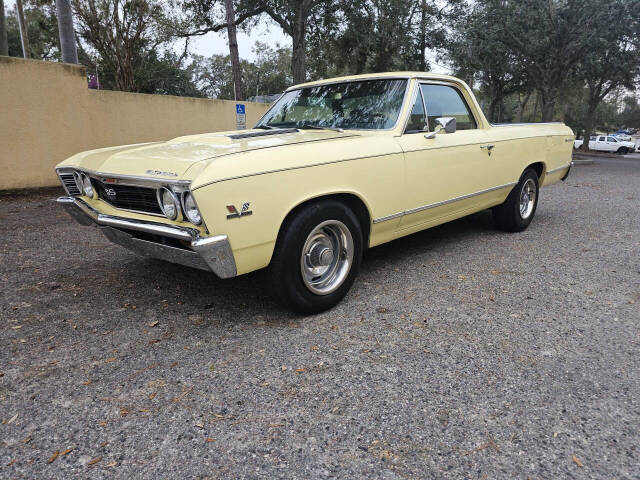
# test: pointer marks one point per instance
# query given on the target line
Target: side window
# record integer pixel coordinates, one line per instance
(445, 101)
(417, 121)
(601, 139)
(611, 139)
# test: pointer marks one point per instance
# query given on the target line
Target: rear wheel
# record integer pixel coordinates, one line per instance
(517, 211)
(317, 257)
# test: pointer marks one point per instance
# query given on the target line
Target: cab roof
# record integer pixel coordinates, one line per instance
(371, 76)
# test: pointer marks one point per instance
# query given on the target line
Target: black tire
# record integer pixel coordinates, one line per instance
(623, 150)
(284, 274)
(508, 216)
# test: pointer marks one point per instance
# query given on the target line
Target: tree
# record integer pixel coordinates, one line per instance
(233, 50)
(548, 38)
(124, 34)
(612, 61)
(4, 43)
(42, 27)
(24, 35)
(374, 36)
(478, 52)
(294, 17)
(67, 34)
(269, 74)
(630, 116)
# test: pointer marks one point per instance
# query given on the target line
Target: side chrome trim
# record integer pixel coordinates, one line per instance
(208, 253)
(439, 204)
(524, 124)
(559, 168)
(389, 217)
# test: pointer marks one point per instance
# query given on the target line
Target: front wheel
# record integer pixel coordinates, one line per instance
(623, 150)
(517, 211)
(317, 257)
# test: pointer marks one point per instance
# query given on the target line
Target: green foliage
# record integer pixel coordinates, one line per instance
(160, 74)
(42, 29)
(269, 74)
(630, 116)
(374, 36)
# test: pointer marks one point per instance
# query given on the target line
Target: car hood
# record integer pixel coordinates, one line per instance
(175, 158)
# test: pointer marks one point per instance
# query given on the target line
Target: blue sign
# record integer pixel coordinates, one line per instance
(239, 109)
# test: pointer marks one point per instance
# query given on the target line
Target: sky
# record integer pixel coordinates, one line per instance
(217, 43)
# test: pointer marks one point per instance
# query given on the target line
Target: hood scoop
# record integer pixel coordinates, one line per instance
(265, 133)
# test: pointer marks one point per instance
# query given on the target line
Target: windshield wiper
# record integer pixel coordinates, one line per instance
(317, 127)
(267, 127)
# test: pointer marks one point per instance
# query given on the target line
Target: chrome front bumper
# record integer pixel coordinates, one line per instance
(206, 253)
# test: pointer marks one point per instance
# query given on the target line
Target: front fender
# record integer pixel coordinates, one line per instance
(376, 181)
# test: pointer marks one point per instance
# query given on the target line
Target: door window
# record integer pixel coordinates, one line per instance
(612, 140)
(601, 139)
(446, 101)
(417, 120)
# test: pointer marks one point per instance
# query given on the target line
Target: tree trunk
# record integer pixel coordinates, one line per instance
(4, 44)
(233, 50)
(66, 31)
(493, 110)
(24, 37)
(588, 125)
(299, 57)
(423, 36)
(547, 110)
(522, 104)
(548, 105)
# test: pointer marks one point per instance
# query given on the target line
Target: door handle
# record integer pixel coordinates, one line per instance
(489, 147)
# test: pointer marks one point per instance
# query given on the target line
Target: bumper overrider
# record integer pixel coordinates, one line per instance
(158, 240)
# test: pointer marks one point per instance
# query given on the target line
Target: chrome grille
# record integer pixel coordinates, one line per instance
(69, 183)
(128, 197)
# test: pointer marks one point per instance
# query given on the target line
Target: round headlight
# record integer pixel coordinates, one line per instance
(191, 209)
(87, 188)
(168, 203)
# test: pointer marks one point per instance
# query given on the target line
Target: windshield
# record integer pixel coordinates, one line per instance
(365, 105)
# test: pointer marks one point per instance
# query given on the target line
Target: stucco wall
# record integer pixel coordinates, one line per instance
(47, 114)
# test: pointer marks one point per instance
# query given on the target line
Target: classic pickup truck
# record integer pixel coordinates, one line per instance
(332, 168)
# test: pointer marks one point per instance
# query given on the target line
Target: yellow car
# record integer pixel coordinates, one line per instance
(334, 167)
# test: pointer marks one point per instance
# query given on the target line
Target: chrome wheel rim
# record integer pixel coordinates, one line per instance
(527, 198)
(327, 256)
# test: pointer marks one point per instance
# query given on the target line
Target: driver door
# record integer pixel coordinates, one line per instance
(443, 174)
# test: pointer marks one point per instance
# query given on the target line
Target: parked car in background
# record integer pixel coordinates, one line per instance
(622, 137)
(607, 143)
(334, 167)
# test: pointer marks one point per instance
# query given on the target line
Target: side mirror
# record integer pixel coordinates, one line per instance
(448, 124)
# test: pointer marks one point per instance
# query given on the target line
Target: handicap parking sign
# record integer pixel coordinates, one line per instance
(241, 118)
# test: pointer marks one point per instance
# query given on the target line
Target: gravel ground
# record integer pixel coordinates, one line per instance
(461, 352)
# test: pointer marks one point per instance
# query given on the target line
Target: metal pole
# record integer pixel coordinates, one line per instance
(24, 37)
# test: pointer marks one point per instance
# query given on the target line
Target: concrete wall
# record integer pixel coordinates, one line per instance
(47, 114)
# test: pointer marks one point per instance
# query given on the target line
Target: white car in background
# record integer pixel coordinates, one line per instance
(623, 137)
(607, 143)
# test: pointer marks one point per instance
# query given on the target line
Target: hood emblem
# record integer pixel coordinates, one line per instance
(235, 213)
(163, 174)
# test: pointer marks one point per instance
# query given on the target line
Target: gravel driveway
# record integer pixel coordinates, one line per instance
(461, 352)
